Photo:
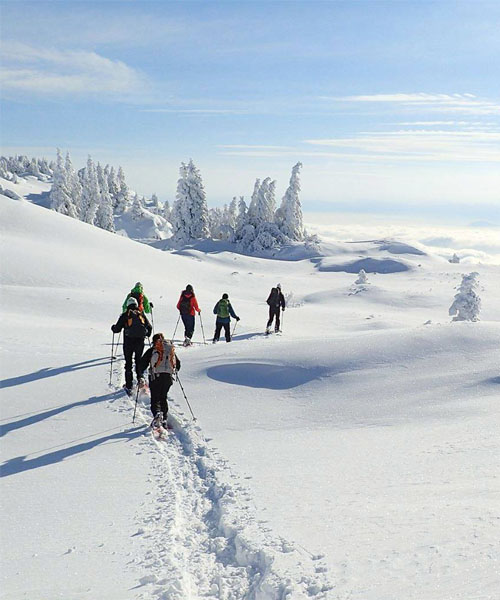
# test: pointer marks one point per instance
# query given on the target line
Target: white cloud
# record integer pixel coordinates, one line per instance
(59, 72)
(460, 103)
(419, 145)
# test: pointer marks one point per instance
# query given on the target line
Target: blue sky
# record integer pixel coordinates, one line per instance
(392, 107)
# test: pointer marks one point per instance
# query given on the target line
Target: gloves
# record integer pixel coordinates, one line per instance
(237, 318)
(141, 382)
(151, 305)
(113, 328)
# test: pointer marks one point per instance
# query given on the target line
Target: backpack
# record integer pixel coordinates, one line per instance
(163, 358)
(135, 324)
(274, 297)
(223, 308)
(185, 305)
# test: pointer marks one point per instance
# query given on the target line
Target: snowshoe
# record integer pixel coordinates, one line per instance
(128, 391)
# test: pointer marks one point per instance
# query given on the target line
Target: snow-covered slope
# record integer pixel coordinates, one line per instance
(354, 456)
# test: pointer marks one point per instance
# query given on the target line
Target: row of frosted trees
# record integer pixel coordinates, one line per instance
(93, 194)
(97, 194)
(254, 228)
(12, 167)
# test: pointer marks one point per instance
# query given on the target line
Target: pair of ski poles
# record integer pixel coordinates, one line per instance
(202, 328)
(176, 376)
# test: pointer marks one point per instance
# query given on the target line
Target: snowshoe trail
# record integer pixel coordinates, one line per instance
(199, 534)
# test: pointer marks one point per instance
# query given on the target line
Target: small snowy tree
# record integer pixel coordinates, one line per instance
(454, 259)
(122, 199)
(166, 211)
(73, 184)
(104, 214)
(289, 215)
(362, 278)
(137, 208)
(190, 212)
(60, 194)
(90, 193)
(467, 304)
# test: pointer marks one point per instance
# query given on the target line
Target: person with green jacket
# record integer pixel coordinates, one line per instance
(137, 292)
(224, 312)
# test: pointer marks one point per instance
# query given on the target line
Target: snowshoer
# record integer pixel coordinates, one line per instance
(135, 327)
(163, 364)
(276, 301)
(187, 306)
(137, 292)
(224, 312)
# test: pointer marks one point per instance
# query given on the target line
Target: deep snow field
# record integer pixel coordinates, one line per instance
(354, 457)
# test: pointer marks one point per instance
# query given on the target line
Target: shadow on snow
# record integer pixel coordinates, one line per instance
(37, 417)
(52, 372)
(21, 463)
(268, 376)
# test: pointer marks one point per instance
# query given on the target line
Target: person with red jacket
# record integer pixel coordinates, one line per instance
(187, 306)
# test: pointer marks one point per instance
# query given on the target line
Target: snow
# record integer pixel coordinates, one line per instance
(353, 456)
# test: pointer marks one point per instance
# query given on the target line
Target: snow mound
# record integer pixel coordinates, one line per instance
(369, 265)
(262, 375)
(399, 248)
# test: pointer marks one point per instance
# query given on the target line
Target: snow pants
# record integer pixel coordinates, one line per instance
(158, 387)
(132, 348)
(274, 312)
(188, 321)
(227, 330)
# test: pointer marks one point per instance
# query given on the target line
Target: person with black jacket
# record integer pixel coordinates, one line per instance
(135, 327)
(276, 301)
(163, 363)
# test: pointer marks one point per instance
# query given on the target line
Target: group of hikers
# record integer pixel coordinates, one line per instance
(160, 357)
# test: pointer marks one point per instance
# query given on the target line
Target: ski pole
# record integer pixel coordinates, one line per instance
(175, 330)
(112, 357)
(135, 407)
(202, 330)
(235, 323)
(152, 319)
(185, 397)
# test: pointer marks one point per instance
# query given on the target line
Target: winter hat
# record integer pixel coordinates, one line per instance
(189, 288)
(225, 296)
(158, 336)
(132, 301)
(278, 285)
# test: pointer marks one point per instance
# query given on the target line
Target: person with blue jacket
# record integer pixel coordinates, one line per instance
(224, 312)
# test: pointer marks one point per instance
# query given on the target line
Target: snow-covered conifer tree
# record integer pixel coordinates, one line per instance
(73, 184)
(122, 200)
(232, 214)
(104, 214)
(190, 212)
(252, 218)
(137, 208)
(155, 205)
(167, 211)
(454, 259)
(60, 195)
(113, 186)
(467, 304)
(289, 215)
(362, 278)
(90, 193)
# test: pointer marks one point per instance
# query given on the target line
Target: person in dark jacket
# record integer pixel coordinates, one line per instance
(224, 312)
(135, 327)
(276, 302)
(187, 306)
(163, 363)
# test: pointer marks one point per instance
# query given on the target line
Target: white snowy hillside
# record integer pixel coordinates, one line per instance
(353, 456)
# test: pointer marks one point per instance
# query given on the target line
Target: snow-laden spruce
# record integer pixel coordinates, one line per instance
(289, 215)
(61, 196)
(190, 213)
(12, 167)
(362, 278)
(467, 304)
